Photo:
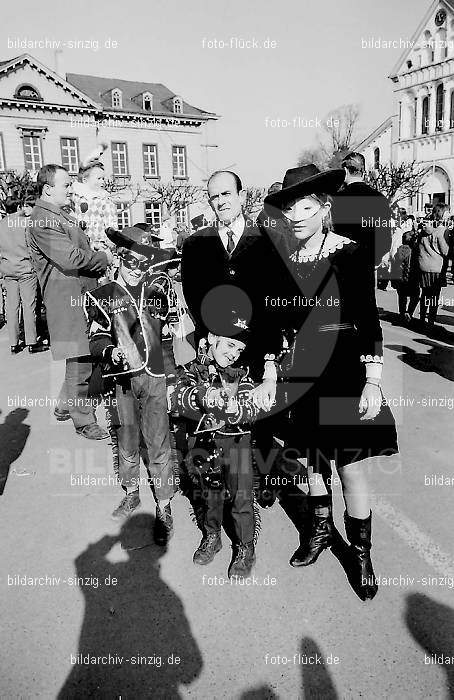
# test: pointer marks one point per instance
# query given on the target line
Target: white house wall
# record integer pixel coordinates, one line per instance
(70, 117)
(417, 76)
(383, 141)
(49, 90)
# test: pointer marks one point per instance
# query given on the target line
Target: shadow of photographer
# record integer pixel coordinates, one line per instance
(135, 640)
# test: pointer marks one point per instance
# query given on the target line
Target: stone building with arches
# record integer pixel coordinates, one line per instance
(421, 127)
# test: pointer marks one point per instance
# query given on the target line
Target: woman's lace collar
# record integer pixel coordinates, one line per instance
(333, 242)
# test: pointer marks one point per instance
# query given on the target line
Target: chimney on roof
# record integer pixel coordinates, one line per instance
(58, 63)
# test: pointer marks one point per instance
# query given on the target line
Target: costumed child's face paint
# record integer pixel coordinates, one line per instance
(225, 351)
(133, 267)
(305, 216)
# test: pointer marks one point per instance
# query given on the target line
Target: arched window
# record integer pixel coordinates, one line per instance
(376, 158)
(440, 101)
(117, 100)
(27, 92)
(177, 105)
(147, 101)
(425, 116)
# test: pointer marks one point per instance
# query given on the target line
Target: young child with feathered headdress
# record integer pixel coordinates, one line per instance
(93, 206)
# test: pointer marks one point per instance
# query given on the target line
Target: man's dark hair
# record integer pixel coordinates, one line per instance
(46, 176)
(11, 205)
(275, 187)
(355, 163)
(239, 184)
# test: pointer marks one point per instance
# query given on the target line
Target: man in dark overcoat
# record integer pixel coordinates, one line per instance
(66, 269)
(361, 212)
(233, 253)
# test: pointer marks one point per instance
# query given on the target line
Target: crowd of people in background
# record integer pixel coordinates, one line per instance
(417, 265)
(413, 255)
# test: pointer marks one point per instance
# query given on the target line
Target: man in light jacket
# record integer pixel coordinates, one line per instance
(66, 268)
(432, 252)
(20, 279)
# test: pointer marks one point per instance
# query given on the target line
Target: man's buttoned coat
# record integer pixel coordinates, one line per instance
(255, 267)
(66, 269)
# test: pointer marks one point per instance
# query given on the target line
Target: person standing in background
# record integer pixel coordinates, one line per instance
(361, 212)
(404, 276)
(21, 282)
(432, 251)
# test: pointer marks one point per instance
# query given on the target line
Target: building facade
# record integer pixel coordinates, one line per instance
(421, 128)
(153, 135)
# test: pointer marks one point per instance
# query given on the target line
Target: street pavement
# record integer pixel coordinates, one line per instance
(176, 630)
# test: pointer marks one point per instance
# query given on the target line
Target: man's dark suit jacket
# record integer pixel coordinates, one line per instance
(255, 267)
(363, 214)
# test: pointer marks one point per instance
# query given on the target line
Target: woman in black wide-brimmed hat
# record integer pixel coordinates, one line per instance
(331, 378)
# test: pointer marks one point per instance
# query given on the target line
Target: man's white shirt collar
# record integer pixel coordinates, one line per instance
(237, 228)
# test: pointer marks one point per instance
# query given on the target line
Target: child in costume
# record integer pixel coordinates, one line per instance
(93, 207)
(125, 320)
(212, 393)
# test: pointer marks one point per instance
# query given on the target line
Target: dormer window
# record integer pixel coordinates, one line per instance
(177, 105)
(27, 92)
(117, 100)
(147, 101)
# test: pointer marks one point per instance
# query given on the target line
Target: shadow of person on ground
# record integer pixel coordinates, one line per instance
(445, 319)
(437, 332)
(390, 316)
(13, 436)
(438, 359)
(262, 692)
(432, 626)
(316, 681)
(137, 625)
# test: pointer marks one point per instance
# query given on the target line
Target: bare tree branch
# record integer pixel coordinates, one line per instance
(174, 195)
(254, 200)
(398, 181)
(339, 131)
(19, 186)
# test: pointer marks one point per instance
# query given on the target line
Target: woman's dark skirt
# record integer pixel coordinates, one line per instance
(321, 419)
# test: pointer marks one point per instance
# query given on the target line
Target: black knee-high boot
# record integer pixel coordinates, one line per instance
(362, 576)
(321, 533)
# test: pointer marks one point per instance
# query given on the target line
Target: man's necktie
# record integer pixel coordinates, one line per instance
(230, 242)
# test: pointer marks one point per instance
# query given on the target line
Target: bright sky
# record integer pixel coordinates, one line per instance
(318, 62)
